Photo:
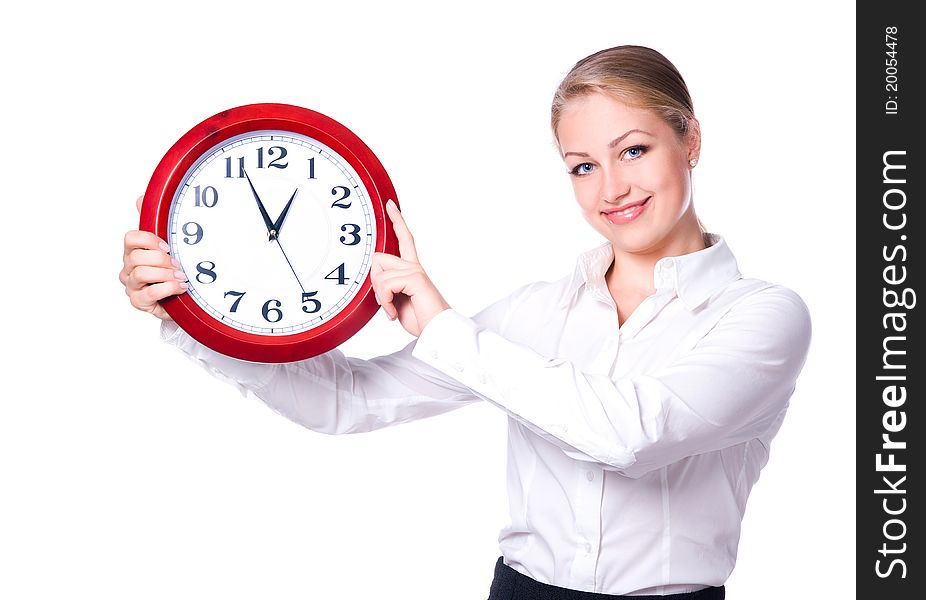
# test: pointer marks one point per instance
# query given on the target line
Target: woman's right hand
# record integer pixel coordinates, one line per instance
(149, 274)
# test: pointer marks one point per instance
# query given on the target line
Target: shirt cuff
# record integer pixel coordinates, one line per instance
(537, 391)
(436, 347)
(244, 375)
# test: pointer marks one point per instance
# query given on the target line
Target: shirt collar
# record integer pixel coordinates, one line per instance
(693, 277)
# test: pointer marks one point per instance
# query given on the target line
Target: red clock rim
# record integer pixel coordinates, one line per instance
(222, 126)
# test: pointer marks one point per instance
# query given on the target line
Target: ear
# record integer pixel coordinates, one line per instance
(693, 139)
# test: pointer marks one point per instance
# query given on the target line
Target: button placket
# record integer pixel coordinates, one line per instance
(588, 525)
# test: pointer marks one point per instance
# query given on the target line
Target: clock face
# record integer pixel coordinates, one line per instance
(274, 230)
(274, 212)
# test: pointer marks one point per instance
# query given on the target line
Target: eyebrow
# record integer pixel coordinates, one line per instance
(612, 144)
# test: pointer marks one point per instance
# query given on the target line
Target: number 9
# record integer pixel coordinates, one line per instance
(197, 232)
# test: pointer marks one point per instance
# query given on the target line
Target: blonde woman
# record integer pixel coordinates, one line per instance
(642, 390)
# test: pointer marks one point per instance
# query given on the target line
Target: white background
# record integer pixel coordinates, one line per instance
(127, 472)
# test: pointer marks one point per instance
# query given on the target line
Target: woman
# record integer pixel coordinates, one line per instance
(643, 390)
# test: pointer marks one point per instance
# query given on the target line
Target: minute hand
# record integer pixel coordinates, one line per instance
(271, 230)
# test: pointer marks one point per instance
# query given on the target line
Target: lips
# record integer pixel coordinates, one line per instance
(626, 212)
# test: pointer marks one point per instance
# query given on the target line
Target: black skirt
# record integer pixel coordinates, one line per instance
(509, 584)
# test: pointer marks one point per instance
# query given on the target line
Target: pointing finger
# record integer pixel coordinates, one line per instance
(406, 241)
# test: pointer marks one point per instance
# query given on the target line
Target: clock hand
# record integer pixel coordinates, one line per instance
(290, 264)
(271, 230)
(279, 222)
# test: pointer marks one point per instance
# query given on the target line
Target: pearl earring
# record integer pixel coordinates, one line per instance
(693, 162)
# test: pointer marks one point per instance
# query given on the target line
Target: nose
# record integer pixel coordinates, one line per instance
(614, 185)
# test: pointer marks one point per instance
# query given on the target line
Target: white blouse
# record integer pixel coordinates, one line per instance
(631, 449)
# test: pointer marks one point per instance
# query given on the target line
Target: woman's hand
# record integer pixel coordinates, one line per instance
(402, 287)
(148, 273)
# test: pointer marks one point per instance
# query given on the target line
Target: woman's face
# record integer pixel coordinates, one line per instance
(631, 175)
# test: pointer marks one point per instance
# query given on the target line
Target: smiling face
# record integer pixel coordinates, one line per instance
(631, 175)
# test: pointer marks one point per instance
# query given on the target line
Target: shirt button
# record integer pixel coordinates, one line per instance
(589, 475)
(433, 353)
(588, 548)
(668, 264)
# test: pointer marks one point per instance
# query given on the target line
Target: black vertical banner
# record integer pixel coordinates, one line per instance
(891, 367)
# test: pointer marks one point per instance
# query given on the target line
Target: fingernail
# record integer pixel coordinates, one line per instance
(175, 262)
(180, 275)
(164, 247)
(392, 202)
(184, 285)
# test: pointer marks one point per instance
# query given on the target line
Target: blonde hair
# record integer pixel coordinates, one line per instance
(637, 76)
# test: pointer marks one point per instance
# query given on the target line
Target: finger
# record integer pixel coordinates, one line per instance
(383, 294)
(147, 298)
(144, 239)
(393, 282)
(144, 276)
(140, 257)
(396, 287)
(386, 265)
(138, 203)
(384, 261)
(388, 284)
(384, 298)
(402, 233)
(376, 268)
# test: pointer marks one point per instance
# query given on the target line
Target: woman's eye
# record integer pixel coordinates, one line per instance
(635, 152)
(582, 169)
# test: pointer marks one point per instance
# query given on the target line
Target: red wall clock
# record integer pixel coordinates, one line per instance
(274, 212)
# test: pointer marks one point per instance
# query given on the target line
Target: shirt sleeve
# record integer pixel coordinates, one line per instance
(333, 393)
(731, 387)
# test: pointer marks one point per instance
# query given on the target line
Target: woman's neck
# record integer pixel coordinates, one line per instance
(632, 272)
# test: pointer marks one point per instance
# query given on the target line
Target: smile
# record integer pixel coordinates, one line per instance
(626, 214)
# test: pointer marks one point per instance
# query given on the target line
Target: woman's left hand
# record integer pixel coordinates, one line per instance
(402, 287)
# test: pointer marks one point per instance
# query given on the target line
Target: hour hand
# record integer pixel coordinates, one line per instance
(271, 230)
(279, 222)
